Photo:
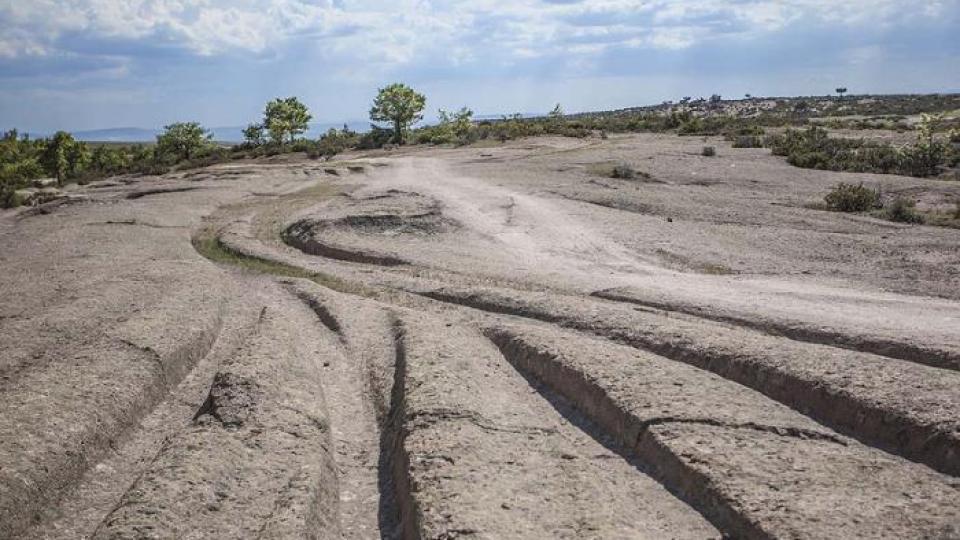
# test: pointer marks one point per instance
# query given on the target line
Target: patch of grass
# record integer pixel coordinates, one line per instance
(950, 219)
(209, 246)
(616, 169)
(902, 210)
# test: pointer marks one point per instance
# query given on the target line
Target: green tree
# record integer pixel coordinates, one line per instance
(109, 160)
(841, 91)
(556, 113)
(285, 118)
(64, 157)
(182, 141)
(253, 134)
(400, 105)
(457, 125)
(923, 158)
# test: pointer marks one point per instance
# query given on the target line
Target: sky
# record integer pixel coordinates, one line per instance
(91, 64)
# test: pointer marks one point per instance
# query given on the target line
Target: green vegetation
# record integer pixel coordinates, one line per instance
(254, 135)
(400, 105)
(286, 118)
(813, 148)
(617, 169)
(25, 163)
(208, 245)
(858, 198)
(182, 141)
(852, 198)
(453, 128)
(935, 152)
(64, 158)
(902, 210)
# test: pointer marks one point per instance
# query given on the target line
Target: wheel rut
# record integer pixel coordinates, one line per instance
(857, 394)
(718, 439)
(354, 430)
(490, 456)
(801, 331)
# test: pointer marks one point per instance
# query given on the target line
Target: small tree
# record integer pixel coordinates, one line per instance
(253, 134)
(841, 91)
(64, 157)
(923, 158)
(556, 113)
(286, 118)
(182, 141)
(459, 123)
(400, 105)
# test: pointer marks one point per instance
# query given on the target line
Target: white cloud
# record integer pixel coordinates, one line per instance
(399, 32)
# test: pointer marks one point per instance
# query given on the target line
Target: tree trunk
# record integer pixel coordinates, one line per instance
(397, 132)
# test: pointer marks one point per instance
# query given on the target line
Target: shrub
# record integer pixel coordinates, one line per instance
(903, 210)
(747, 141)
(623, 171)
(814, 149)
(851, 198)
(333, 142)
(377, 137)
(709, 151)
(923, 158)
(302, 145)
(9, 197)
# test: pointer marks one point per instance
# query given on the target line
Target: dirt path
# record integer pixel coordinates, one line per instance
(530, 236)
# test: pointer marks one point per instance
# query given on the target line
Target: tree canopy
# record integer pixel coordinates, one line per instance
(400, 105)
(65, 157)
(285, 118)
(182, 140)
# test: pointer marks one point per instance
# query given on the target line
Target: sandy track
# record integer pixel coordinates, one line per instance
(449, 345)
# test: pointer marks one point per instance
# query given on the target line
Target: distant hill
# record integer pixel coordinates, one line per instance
(123, 134)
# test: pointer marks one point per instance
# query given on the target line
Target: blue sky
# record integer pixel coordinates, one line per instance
(88, 64)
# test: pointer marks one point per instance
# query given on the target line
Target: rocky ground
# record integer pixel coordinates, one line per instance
(493, 341)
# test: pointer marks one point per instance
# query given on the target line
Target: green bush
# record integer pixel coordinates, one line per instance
(334, 141)
(747, 141)
(377, 137)
(851, 198)
(902, 210)
(8, 197)
(814, 149)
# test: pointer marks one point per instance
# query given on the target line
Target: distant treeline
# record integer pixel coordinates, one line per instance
(61, 159)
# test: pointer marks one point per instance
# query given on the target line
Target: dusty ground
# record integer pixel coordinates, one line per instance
(486, 342)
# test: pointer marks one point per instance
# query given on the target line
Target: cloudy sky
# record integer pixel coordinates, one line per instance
(86, 64)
